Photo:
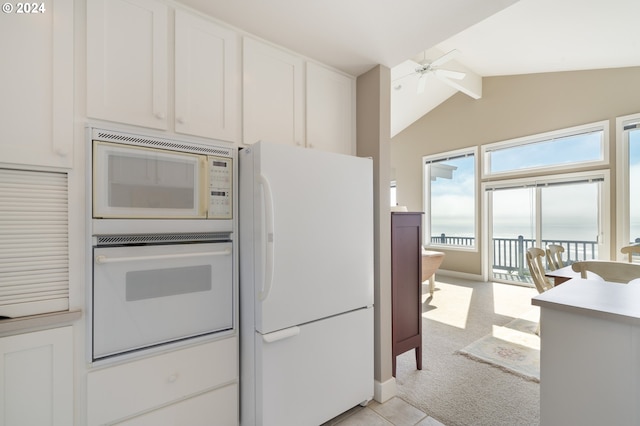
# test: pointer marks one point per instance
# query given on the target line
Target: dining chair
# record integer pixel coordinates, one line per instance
(534, 261)
(631, 250)
(618, 272)
(554, 256)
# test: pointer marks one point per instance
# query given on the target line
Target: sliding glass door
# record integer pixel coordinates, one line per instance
(564, 210)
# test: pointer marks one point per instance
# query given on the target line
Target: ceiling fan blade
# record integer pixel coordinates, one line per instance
(456, 75)
(445, 58)
(422, 82)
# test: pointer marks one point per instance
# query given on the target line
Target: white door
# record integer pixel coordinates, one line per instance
(127, 72)
(315, 222)
(330, 110)
(294, 388)
(567, 210)
(37, 80)
(273, 94)
(218, 407)
(206, 86)
(36, 378)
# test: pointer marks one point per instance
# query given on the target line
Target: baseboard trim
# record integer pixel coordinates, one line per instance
(384, 391)
(455, 274)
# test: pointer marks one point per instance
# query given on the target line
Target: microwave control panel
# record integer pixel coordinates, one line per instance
(220, 187)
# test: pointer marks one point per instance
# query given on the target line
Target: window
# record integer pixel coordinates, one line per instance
(450, 199)
(566, 209)
(628, 182)
(559, 150)
(535, 196)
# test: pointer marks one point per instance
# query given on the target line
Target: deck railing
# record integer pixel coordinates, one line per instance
(509, 253)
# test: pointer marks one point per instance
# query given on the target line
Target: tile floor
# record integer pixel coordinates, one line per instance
(395, 412)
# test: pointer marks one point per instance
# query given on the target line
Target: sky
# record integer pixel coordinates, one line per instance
(561, 151)
(452, 207)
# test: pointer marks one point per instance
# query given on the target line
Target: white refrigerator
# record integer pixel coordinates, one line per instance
(306, 284)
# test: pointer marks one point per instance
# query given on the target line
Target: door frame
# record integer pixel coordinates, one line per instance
(605, 235)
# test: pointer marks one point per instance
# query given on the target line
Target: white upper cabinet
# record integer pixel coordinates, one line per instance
(36, 86)
(127, 61)
(129, 64)
(330, 110)
(273, 94)
(207, 79)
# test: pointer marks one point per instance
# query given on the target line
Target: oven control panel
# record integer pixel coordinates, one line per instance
(220, 187)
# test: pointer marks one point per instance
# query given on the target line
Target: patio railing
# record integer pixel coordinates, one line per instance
(509, 253)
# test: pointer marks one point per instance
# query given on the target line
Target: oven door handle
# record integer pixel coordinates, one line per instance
(102, 259)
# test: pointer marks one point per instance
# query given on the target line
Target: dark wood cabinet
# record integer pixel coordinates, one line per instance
(406, 284)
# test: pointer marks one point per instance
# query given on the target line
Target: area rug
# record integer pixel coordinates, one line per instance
(514, 348)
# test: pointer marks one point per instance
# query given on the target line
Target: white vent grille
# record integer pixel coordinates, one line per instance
(162, 143)
(107, 240)
(34, 244)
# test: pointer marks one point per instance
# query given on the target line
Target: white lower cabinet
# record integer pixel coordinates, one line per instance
(195, 386)
(36, 378)
(214, 408)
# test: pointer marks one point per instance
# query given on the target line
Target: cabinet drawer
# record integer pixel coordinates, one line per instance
(125, 390)
(214, 408)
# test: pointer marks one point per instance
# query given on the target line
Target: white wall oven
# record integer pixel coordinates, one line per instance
(163, 247)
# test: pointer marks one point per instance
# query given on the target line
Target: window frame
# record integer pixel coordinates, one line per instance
(622, 182)
(426, 199)
(604, 244)
(485, 151)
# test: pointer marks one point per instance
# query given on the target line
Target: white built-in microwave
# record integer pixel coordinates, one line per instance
(138, 180)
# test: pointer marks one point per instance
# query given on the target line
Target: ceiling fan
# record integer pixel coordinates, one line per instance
(423, 68)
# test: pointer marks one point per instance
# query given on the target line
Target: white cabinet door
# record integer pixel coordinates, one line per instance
(288, 389)
(214, 408)
(36, 378)
(127, 61)
(36, 86)
(125, 391)
(330, 110)
(206, 79)
(273, 95)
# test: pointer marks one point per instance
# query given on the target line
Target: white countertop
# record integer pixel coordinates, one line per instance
(11, 326)
(614, 301)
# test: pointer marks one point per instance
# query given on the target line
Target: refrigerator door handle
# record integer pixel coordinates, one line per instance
(281, 334)
(267, 239)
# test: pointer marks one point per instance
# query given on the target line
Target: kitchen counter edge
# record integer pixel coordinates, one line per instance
(12, 326)
(607, 300)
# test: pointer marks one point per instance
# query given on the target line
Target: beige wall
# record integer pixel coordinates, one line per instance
(373, 129)
(511, 107)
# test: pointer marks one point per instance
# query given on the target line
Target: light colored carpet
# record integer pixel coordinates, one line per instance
(457, 390)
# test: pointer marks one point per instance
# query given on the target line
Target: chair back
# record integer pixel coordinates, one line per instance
(618, 272)
(534, 261)
(554, 256)
(631, 250)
